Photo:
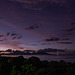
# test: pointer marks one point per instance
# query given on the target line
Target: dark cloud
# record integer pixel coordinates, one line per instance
(37, 1)
(73, 23)
(66, 39)
(41, 4)
(32, 27)
(1, 35)
(52, 39)
(65, 42)
(46, 44)
(14, 38)
(34, 44)
(71, 34)
(14, 35)
(11, 36)
(21, 48)
(8, 33)
(70, 29)
(1, 40)
(19, 37)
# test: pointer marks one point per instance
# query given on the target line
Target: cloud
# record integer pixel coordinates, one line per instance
(70, 30)
(52, 39)
(33, 44)
(32, 27)
(40, 4)
(46, 44)
(61, 40)
(65, 42)
(66, 39)
(16, 36)
(1, 40)
(10, 36)
(21, 47)
(73, 23)
(37, 1)
(33, 7)
(1, 35)
(9, 40)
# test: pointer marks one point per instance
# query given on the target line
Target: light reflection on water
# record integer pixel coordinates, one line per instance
(67, 58)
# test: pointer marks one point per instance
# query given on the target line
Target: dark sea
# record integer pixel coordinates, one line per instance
(66, 58)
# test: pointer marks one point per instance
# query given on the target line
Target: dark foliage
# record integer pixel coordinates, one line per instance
(33, 66)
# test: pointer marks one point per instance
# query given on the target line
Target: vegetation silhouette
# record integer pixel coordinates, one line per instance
(33, 66)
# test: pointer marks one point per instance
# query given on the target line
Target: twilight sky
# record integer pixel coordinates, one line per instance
(37, 24)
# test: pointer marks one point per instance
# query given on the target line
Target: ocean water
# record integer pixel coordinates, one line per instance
(66, 58)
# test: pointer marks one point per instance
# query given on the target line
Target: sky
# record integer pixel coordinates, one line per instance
(37, 24)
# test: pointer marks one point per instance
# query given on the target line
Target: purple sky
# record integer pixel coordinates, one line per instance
(36, 24)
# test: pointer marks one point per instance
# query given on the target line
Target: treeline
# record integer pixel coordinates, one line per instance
(33, 66)
(31, 52)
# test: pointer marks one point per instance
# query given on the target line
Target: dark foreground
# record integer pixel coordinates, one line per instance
(33, 66)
